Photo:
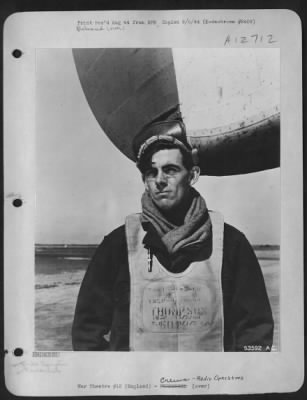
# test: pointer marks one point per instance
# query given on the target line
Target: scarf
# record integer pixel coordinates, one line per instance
(192, 234)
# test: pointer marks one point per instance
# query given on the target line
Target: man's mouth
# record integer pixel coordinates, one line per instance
(162, 193)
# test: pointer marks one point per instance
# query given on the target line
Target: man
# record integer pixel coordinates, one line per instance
(175, 277)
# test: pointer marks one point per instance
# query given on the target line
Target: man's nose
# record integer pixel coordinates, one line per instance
(161, 179)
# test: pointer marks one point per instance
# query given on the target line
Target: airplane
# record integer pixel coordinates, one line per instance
(228, 99)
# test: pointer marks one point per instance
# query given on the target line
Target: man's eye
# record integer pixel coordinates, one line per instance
(150, 173)
(170, 170)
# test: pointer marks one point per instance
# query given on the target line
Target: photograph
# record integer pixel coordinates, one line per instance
(158, 199)
(153, 187)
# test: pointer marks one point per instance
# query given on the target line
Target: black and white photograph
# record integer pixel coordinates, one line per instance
(131, 146)
(153, 203)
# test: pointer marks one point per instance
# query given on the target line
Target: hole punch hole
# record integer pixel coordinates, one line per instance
(18, 352)
(17, 53)
(17, 202)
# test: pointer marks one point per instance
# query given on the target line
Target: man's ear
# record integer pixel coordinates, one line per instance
(195, 172)
(145, 184)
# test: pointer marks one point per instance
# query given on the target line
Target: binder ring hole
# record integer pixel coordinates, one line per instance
(17, 53)
(17, 202)
(18, 352)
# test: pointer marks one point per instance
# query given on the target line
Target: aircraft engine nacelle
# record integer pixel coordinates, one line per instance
(228, 98)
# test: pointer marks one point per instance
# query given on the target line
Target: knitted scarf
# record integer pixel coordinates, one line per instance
(194, 232)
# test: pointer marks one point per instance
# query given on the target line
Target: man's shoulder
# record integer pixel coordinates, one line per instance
(230, 230)
(113, 243)
(233, 236)
(117, 235)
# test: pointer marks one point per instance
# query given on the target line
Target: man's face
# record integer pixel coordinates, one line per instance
(167, 180)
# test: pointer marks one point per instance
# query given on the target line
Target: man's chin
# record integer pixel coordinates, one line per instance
(164, 205)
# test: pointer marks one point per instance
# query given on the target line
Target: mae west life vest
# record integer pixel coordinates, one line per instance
(175, 311)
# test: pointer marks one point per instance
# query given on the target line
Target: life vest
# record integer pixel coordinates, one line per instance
(175, 311)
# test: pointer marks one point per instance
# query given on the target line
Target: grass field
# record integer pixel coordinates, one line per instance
(58, 278)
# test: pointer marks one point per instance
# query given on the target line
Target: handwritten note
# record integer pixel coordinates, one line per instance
(39, 365)
(199, 383)
(250, 39)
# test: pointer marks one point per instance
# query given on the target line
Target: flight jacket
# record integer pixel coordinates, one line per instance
(101, 321)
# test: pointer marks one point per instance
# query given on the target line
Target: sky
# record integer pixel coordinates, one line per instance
(85, 187)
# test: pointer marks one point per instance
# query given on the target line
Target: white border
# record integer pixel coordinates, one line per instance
(262, 372)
